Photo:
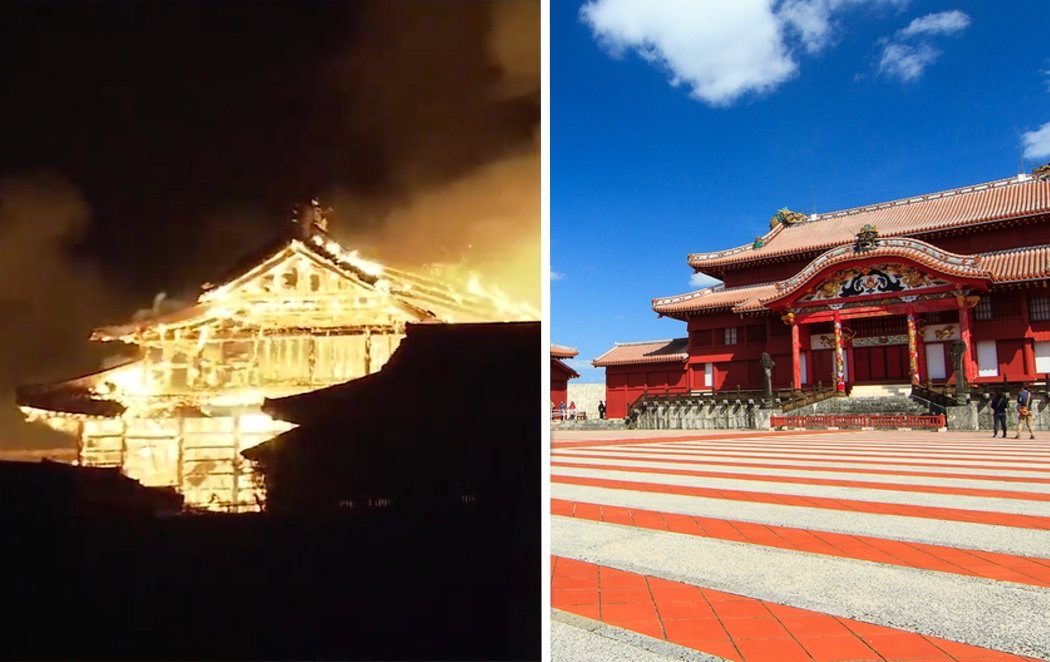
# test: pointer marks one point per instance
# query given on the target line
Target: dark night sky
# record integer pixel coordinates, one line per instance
(167, 115)
(147, 146)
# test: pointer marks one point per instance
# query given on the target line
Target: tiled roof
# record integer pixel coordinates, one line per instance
(563, 351)
(650, 351)
(712, 298)
(1018, 263)
(1016, 197)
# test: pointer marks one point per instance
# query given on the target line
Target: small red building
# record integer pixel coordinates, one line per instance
(561, 373)
(869, 295)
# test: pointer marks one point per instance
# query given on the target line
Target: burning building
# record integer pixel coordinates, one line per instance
(304, 314)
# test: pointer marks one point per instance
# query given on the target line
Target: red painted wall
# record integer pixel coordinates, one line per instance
(625, 384)
(559, 383)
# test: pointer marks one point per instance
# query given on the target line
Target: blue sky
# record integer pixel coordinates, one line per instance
(683, 125)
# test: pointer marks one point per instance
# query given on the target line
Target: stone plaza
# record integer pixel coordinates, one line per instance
(808, 545)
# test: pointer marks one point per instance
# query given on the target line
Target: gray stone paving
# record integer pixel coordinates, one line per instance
(721, 459)
(1035, 488)
(964, 535)
(986, 504)
(577, 639)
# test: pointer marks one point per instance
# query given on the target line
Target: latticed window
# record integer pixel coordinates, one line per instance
(730, 336)
(983, 309)
(1039, 309)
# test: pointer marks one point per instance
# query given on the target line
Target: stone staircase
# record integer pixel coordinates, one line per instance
(873, 399)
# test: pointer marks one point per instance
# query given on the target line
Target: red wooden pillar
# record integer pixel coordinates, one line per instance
(1027, 342)
(913, 347)
(840, 377)
(966, 336)
(796, 360)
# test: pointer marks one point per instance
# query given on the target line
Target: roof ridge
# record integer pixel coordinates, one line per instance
(648, 342)
(915, 199)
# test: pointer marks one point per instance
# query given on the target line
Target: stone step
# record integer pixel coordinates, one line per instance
(880, 390)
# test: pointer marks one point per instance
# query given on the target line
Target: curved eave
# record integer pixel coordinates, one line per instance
(913, 250)
(71, 407)
(669, 358)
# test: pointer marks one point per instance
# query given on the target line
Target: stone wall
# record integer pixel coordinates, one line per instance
(983, 414)
(586, 396)
(700, 414)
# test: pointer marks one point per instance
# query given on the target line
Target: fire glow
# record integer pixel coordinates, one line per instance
(311, 315)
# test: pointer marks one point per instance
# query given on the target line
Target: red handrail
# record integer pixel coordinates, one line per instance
(858, 421)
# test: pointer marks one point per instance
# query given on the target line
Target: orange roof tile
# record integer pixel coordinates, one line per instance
(1015, 264)
(650, 351)
(712, 298)
(563, 351)
(1016, 197)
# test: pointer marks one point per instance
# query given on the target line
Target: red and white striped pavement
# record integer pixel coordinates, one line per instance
(800, 546)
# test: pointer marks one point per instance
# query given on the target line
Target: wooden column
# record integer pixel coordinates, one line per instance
(1027, 342)
(796, 360)
(840, 376)
(913, 348)
(966, 335)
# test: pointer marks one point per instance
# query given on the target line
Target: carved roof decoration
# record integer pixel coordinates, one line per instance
(1013, 198)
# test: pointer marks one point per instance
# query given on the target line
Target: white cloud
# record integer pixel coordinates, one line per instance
(905, 61)
(720, 50)
(555, 275)
(1037, 143)
(700, 280)
(813, 19)
(945, 22)
(909, 52)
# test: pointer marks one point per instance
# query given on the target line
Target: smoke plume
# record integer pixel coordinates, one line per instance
(450, 99)
(49, 302)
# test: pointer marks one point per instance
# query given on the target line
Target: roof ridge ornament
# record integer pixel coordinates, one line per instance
(1042, 172)
(787, 217)
(311, 218)
(867, 239)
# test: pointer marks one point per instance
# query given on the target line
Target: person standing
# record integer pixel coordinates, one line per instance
(999, 404)
(601, 409)
(1024, 412)
(572, 409)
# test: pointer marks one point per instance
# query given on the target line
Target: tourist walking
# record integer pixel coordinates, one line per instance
(561, 409)
(601, 409)
(999, 405)
(572, 410)
(1024, 412)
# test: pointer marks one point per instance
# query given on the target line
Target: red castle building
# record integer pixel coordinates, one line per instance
(561, 373)
(869, 295)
